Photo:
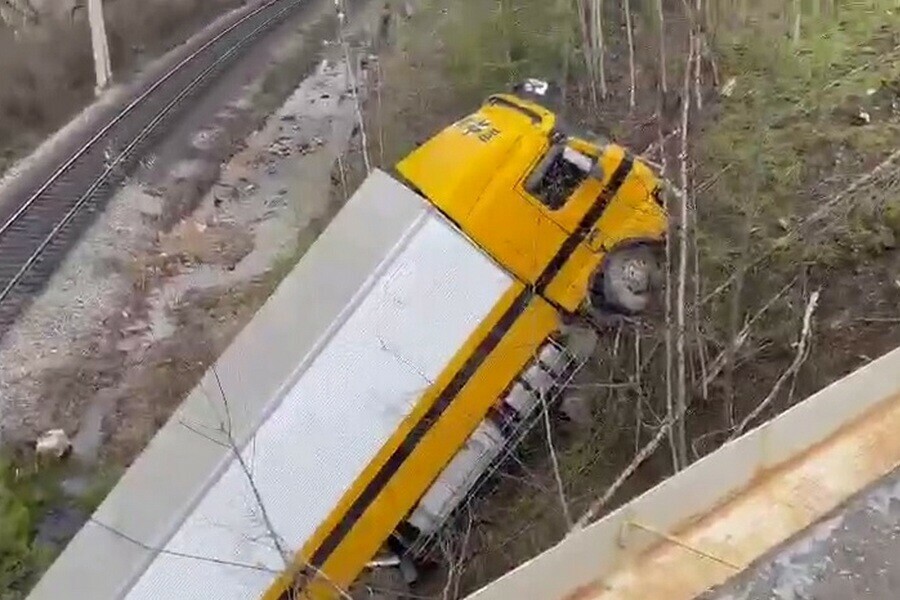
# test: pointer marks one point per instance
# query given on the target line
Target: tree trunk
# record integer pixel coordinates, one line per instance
(629, 32)
(600, 49)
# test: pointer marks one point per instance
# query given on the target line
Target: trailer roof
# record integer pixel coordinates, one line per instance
(292, 412)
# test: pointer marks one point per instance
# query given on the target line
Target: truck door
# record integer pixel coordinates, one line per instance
(566, 186)
(512, 227)
(567, 183)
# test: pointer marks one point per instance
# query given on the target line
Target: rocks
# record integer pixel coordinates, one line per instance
(281, 147)
(53, 443)
(861, 118)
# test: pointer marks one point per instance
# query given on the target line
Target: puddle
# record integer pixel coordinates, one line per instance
(59, 525)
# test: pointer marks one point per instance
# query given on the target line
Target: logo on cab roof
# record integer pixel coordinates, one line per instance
(479, 127)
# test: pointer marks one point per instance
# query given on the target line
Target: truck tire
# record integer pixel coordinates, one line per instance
(626, 281)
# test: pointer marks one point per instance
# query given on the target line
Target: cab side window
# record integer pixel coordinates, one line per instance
(557, 176)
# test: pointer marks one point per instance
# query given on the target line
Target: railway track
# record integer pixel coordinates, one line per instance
(35, 238)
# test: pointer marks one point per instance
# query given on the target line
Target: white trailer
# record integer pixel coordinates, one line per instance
(311, 403)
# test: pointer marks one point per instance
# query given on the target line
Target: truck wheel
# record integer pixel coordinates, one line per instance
(626, 281)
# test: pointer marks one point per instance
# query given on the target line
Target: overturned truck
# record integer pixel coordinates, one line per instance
(405, 353)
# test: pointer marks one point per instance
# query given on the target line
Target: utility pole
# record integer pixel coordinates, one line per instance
(99, 43)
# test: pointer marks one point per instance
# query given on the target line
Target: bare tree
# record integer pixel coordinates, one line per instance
(629, 33)
(588, 49)
(663, 58)
(599, 46)
(683, 235)
(667, 299)
(661, 142)
(352, 82)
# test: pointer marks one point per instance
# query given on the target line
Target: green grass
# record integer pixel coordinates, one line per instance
(27, 495)
(24, 496)
(787, 141)
(792, 108)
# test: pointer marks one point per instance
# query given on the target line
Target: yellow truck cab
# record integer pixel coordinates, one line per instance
(579, 221)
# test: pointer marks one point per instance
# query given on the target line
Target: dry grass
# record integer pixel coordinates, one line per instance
(142, 29)
(46, 72)
(46, 76)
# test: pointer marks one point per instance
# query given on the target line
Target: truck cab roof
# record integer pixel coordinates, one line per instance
(453, 168)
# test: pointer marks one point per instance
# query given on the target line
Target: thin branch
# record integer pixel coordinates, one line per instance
(719, 362)
(639, 406)
(196, 431)
(601, 386)
(821, 212)
(882, 57)
(560, 488)
(378, 111)
(597, 505)
(343, 174)
(455, 561)
(791, 371)
(257, 496)
(286, 556)
(163, 551)
(657, 146)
